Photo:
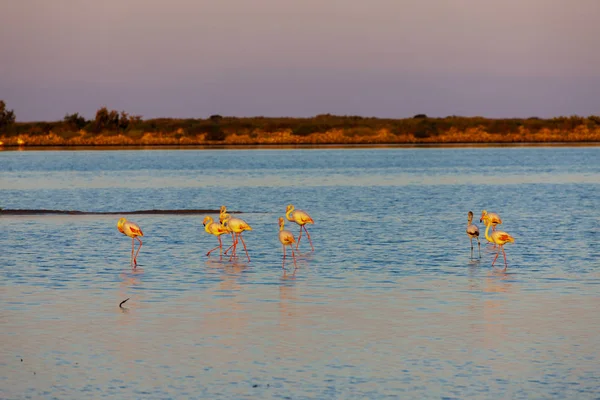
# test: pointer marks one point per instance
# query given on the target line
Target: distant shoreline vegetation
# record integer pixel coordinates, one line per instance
(113, 128)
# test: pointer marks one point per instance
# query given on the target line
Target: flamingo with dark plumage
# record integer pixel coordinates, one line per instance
(473, 232)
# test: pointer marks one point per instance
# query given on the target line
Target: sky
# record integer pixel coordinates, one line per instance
(376, 58)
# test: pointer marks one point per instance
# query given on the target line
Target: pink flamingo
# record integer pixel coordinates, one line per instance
(499, 238)
(301, 218)
(222, 215)
(237, 226)
(132, 230)
(492, 217)
(216, 229)
(287, 239)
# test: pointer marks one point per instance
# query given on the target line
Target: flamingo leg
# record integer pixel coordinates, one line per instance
(245, 249)
(470, 238)
(308, 236)
(220, 246)
(233, 240)
(505, 263)
(299, 237)
(294, 257)
(497, 254)
(283, 261)
(138, 250)
(132, 247)
(234, 245)
(479, 246)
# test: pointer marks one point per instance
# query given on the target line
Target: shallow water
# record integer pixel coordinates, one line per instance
(389, 305)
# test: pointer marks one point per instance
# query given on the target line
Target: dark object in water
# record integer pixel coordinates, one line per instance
(76, 212)
(121, 303)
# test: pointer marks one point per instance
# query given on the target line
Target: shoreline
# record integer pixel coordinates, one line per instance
(307, 146)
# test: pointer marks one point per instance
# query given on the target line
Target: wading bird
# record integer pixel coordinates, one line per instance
(132, 230)
(499, 238)
(473, 232)
(216, 229)
(287, 239)
(222, 215)
(236, 226)
(492, 217)
(301, 218)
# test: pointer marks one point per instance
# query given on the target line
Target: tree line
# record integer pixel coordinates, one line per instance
(217, 128)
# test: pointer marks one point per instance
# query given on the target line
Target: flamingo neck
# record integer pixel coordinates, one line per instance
(487, 229)
(288, 214)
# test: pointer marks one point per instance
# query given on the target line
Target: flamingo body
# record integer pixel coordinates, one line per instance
(132, 230)
(301, 218)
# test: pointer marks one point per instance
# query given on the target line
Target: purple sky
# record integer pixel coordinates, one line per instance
(383, 58)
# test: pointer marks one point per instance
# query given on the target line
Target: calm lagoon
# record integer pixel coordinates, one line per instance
(390, 304)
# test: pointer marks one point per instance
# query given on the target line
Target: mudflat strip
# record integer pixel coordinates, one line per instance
(77, 212)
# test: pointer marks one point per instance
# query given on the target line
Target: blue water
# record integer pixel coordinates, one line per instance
(390, 304)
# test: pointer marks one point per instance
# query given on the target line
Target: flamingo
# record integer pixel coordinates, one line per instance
(499, 238)
(473, 232)
(493, 217)
(287, 239)
(301, 218)
(216, 229)
(132, 230)
(222, 215)
(237, 226)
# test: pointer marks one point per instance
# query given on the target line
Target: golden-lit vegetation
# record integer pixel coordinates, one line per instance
(112, 128)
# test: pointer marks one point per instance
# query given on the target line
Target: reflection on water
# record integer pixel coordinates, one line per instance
(390, 304)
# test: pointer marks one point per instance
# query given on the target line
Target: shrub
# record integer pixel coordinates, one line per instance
(74, 122)
(215, 133)
(7, 117)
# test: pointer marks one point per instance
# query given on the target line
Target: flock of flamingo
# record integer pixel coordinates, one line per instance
(236, 226)
(499, 238)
